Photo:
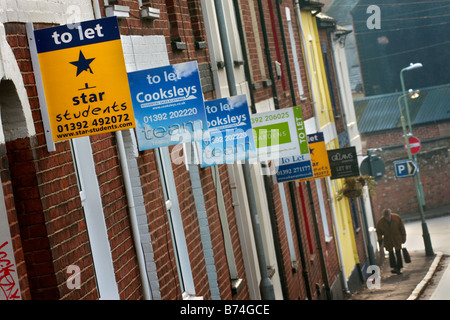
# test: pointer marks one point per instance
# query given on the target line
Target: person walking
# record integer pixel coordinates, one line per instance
(391, 234)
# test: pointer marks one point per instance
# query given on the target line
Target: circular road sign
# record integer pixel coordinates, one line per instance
(414, 145)
(373, 166)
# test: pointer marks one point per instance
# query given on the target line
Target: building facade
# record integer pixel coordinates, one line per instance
(430, 124)
(95, 218)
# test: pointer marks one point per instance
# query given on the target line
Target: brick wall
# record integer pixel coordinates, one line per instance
(433, 162)
(43, 186)
(51, 219)
(14, 224)
(325, 39)
(294, 280)
(115, 208)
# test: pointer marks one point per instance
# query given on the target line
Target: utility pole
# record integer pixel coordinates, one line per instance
(417, 182)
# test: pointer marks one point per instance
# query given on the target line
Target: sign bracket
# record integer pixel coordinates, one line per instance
(40, 88)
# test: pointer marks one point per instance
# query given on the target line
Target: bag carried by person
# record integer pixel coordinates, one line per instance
(406, 255)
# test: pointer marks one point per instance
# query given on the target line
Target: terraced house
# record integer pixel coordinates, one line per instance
(97, 217)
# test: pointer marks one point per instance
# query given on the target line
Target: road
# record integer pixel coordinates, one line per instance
(439, 229)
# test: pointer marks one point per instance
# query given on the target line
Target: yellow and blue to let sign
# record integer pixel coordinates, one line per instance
(84, 78)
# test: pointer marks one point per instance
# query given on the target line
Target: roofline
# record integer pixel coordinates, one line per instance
(307, 5)
(399, 93)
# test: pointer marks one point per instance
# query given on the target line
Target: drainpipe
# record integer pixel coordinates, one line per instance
(129, 194)
(328, 180)
(313, 211)
(292, 184)
(286, 53)
(265, 286)
(133, 217)
(267, 52)
(267, 179)
(319, 243)
(240, 26)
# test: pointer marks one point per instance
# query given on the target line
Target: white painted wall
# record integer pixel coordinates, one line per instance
(8, 270)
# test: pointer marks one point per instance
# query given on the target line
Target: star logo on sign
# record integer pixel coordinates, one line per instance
(82, 64)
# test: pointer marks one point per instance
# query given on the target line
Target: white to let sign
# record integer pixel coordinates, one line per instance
(280, 135)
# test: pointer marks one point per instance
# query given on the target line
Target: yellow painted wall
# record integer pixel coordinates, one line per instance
(319, 84)
(318, 81)
(344, 223)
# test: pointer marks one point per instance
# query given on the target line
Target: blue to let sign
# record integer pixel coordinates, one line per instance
(168, 105)
(230, 134)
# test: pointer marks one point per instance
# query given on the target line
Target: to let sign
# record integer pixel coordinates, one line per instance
(84, 78)
(168, 105)
(281, 136)
(230, 134)
(343, 163)
(319, 156)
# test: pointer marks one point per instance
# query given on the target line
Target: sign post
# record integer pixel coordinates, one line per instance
(84, 78)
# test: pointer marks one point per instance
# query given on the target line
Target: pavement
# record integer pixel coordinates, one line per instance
(416, 276)
(429, 213)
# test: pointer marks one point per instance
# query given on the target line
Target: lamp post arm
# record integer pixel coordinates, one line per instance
(404, 98)
(402, 119)
(417, 182)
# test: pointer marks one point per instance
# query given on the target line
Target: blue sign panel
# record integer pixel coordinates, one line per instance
(230, 134)
(168, 105)
(77, 34)
(405, 168)
(299, 169)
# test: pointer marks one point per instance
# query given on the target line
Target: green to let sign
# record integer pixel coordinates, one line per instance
(272, 135)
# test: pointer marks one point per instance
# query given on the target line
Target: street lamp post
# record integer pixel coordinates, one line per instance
(417, 181)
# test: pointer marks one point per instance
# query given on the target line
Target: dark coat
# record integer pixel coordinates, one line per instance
(393, 234)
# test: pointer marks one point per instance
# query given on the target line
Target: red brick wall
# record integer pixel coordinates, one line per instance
(400, 194)
(295, 281)
(115, 208)
(48, 207)
(45, 189)
(324, 38)
(187, 22)
(33, 233)
(14, 224)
